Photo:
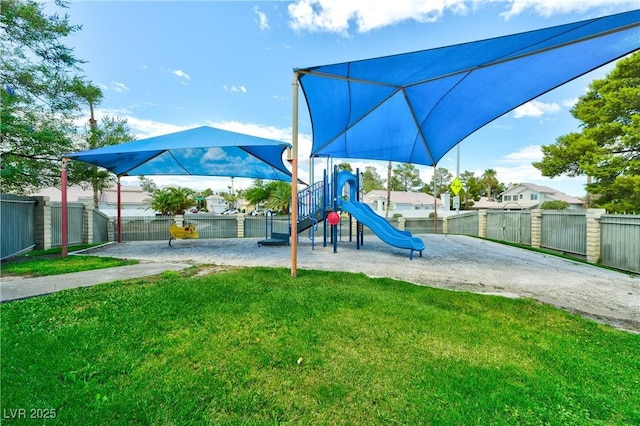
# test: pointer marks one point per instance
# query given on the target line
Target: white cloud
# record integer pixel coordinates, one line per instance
(261, 19)
(336, 16)
(516, 167)
(548, 8)
(535, 109)
(569, 103)
(235, 89)
(527, 154)
(181, 74)
(119, 87)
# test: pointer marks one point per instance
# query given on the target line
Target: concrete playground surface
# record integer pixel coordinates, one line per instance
(450, 262)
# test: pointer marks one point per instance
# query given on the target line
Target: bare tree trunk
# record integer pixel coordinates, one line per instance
(93, 128)
(94, 184)
(388, 206)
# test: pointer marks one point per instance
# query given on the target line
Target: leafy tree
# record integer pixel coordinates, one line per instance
(39, 75)
(110, 131)
(554, 205)
(230, 199)
(345, 166)
(472, 188)
(274, 194)
(31, 143)
(371, 179)
(207, 192)
(148, 185)
(257, 193)
(440, 181)
(173, 201)
(279, 196)
(406, 177)
(607, 149)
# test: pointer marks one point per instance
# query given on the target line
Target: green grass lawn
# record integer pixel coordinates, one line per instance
(50, 262)
(255, 346)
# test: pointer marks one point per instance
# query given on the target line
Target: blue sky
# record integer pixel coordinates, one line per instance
(166, 66)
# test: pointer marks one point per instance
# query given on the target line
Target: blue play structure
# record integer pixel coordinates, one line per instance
(323, 197)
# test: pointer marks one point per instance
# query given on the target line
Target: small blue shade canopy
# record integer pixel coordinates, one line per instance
(415, 107)
(202, 151)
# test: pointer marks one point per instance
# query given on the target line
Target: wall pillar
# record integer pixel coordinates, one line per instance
(445, 224)
(482, 223)
(536, 228)
(401, 223)
(43, 223)
(240, 219)
(111, 230)
(593, 234)
(87, 226)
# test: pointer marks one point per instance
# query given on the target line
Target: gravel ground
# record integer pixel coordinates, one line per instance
(450, 262)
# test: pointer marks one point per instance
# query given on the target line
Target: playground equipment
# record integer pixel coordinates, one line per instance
(365, 215)
(272, 238)
(187, 231)
(323, 202)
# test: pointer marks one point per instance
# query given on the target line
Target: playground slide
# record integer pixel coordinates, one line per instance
(382, 228)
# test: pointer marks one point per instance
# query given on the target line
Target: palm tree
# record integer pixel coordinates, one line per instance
(93, 95)
(173, 201)
(279, 196)
(489, 176)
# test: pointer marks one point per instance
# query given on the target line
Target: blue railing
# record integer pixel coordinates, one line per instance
(312, 199)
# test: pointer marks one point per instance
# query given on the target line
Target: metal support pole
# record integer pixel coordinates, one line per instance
(64, 214)
(294, 179)
(119, 225)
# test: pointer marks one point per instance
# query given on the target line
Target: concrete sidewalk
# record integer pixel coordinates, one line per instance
(14, 288)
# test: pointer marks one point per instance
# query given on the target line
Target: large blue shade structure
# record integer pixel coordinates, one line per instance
(202, 151)
(414, 107)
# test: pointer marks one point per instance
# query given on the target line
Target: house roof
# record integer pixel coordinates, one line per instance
(128, 194)
(401, 197)
(548, 192)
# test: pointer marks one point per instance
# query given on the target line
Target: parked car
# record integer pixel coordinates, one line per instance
(258, 212)
(231, 211)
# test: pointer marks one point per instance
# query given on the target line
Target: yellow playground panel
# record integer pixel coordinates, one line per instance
(187, 231)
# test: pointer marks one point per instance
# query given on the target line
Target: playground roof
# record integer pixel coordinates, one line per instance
(414, 107)
(202, 151)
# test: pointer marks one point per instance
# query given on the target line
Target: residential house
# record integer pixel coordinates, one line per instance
(134, 201)
(216, 203)
(408, 204)
(525, 196)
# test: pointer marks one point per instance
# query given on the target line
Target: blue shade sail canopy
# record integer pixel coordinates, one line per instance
(202, 151)
(415, 107)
